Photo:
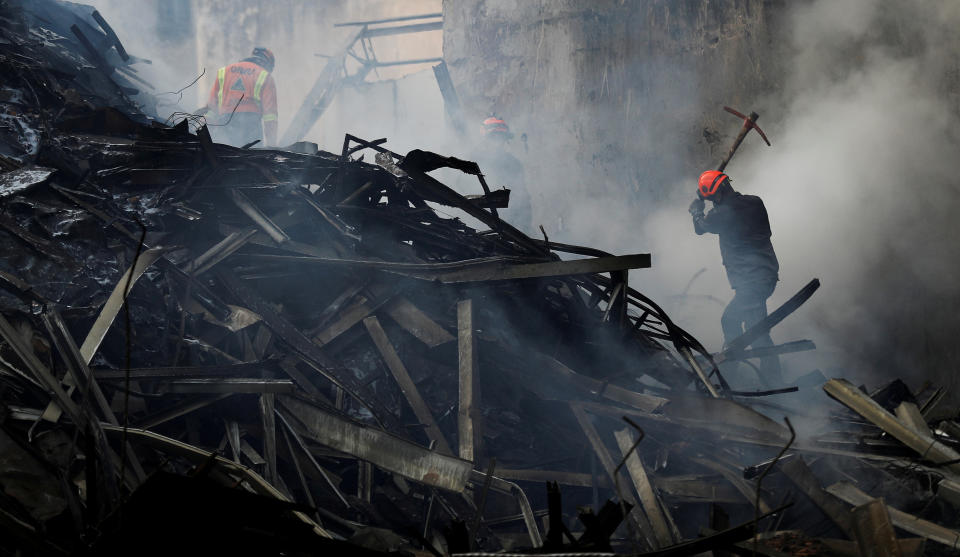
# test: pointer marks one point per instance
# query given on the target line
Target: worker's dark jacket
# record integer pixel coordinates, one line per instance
(744, 229)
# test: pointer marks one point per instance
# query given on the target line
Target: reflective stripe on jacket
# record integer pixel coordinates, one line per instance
(244, 87)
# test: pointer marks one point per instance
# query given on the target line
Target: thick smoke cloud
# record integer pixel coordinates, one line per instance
(860, 182)
(861, 189)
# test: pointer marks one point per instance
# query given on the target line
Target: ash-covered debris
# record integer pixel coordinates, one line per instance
(312, 358)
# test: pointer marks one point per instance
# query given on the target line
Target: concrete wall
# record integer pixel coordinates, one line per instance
(614, 97)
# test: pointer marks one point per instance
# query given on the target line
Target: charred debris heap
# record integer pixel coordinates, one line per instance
(312, 357)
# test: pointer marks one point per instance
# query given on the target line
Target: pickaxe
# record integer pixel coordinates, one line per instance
(748, 123)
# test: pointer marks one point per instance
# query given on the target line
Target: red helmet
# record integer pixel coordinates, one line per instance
(494, 124)
(710, 182)
(266, 55)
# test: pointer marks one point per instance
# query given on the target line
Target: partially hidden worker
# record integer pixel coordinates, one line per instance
(242, 106)
(742, 224)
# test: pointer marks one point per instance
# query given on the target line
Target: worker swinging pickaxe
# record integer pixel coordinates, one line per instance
(748, 256)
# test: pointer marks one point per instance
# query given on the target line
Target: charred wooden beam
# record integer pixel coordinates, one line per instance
(383, 449)
(467, 431)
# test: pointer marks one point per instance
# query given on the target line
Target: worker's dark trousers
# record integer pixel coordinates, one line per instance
(748, 307)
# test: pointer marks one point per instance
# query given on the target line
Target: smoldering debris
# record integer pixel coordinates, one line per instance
(213, 349)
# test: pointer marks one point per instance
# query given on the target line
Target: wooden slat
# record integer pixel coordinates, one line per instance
(910, 415)
(873, 530)
(648, 498)
(407, 386)
(388, 452)
(748, 491)
(610, 467)
(800, 474)
(467, 352)
(269, 437)
(915, 525)
(856, 400)
(417, 323)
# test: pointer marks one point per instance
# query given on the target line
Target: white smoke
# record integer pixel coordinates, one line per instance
(860, 187)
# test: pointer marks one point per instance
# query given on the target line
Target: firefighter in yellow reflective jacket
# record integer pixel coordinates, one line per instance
(243, 98)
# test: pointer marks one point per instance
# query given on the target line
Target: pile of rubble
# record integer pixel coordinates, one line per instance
(214, 349)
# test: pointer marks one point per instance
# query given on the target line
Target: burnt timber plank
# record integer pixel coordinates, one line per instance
(740, 343)
(924, 528)
(269, 437)
(467, 355)
(910, 415)
(477, 270)
(416, 322)
(801, 476)
(648, 498)
(385, 450)
(854, 399)
(873, 530)
(610, 467)
(407, 386)
(741, 485)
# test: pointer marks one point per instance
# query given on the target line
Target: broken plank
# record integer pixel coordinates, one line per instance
(288, 429)
(509, 488)
(873, 530)
(915, 525)
(198, 372)
(951, 428)
(648, 498)
(416, 322)
(268, 422)
(740, 343)
(299, 469)
(577, 479)
(697, 489)
(115, 302)
(226, 385)
(741, 485)
(258, 217)
(910, 415)
(219, 251)
(407, 386)
(478, 270)
(610, 467)
(929, 448)
(949, 491)
(801, 476)
(63, 341)
(765, 351)
(467, 435)
(385, 450)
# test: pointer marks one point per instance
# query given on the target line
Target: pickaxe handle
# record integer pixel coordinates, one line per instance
(749, 122)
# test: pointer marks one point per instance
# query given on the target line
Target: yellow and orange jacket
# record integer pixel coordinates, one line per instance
(244, 87)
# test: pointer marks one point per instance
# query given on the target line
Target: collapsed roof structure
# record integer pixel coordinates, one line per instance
(209, 348)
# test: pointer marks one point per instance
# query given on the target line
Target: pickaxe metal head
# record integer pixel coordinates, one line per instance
(749, 122)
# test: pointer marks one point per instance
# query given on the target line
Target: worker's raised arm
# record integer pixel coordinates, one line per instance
(268, 107)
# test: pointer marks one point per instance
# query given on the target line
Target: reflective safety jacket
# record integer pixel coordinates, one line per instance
(244, 87)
